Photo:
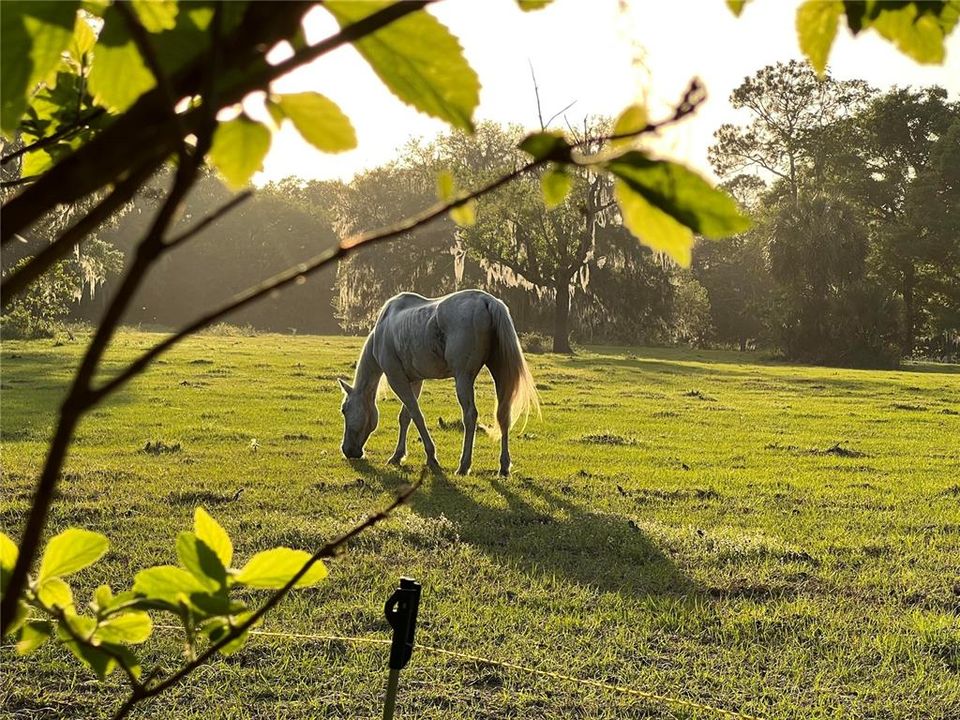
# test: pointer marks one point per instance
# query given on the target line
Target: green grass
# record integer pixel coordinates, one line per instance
(775, 539)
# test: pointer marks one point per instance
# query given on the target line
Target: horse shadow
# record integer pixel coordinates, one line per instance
(543, 532)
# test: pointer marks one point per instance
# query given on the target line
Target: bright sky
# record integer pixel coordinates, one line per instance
(602, 54)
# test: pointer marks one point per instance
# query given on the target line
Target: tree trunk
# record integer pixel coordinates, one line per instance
(909, 310)
(561, 319)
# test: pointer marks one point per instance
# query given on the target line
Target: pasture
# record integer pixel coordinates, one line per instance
(773, 539)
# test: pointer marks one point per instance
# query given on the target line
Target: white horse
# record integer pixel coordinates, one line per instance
(418, 338)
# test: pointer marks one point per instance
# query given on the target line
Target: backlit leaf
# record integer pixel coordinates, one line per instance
(167, 583)
(32, 36)
(419, 60)
(8, 552)
(680, 193)
(119, 75)
(34, 634)
(54, 592)
(555, 185)
(274, 568)
(546, 145)
(817, 22)
(631, 121)
(213, 534)
(319, 121)
(736, 6)
(528, 5)
(129, 628)
(93, 658)
(70, 551)
(156, 15)
(651, 226)
(919, 36)
(198, 557)
(238, 149)
(465, 214)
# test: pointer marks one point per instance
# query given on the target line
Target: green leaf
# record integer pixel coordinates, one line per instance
(167, 583)
(119, 75)
(156, 15)
(919, 36)
(102, 597)
(35, 163)
(318, 120)
(816, 29)
(8, 554)
(548, 145)
(83, 39)
(93, 658)
(274, 568)
(680, 193)
(197, 557)
(736, 6)
(32, 36)
(54, 592)
(34, 634)
(555, 185)
(131, 628)
(213, 534)
(530, 5)
(70, 551)
(465, 214)
(632, 120)
(419, 61)
(238, 149)
(651, 226)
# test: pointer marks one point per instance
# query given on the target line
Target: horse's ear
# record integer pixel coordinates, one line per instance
(345, 386)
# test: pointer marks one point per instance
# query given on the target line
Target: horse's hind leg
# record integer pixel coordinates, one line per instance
(504, 419)
(404, 390)
(401, 450)
(469, 406)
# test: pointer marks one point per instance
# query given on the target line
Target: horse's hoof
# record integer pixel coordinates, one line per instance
(463, 470)
(434, 466)
(395, 460)
(504, 472)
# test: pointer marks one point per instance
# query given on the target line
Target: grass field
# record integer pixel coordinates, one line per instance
(766, 538)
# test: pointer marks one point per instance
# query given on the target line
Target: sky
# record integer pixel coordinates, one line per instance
(601, 55)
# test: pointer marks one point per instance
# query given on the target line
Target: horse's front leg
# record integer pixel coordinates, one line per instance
(469, 406)
(404, 390)
(401, 450)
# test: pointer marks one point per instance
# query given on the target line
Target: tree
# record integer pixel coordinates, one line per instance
(788, 137)
(892, 142)
(548, 248)
(830, 311)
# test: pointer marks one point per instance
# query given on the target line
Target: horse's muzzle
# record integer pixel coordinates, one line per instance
(351, 454)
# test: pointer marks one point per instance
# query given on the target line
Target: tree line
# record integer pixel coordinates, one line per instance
(852, 259)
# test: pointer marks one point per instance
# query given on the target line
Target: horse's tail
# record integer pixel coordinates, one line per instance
(516, 388)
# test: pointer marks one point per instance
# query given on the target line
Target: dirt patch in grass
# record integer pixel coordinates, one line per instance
(607, 439)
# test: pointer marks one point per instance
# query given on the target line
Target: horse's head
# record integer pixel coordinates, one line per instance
(360, 418)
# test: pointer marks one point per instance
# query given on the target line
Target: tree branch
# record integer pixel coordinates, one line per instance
(61, 134)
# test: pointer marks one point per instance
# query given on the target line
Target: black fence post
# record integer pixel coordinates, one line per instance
(401, 611)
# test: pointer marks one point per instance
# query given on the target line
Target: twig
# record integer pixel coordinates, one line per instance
(328, 550)
(61, 134)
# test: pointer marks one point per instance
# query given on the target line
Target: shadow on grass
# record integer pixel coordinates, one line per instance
(543, 532)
